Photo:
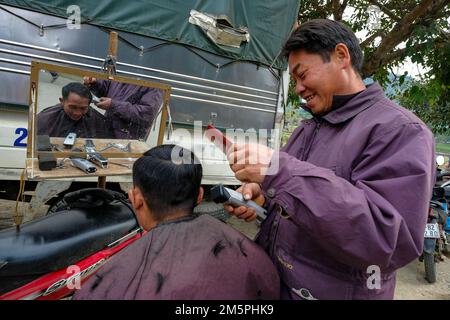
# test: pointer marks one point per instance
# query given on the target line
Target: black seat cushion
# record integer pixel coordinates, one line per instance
(62, 239)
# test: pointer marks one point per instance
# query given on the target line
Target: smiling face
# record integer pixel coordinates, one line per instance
(316, 81)
(75, 106)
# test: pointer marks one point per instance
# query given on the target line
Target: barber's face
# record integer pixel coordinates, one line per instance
(316, 81)
(75, 106)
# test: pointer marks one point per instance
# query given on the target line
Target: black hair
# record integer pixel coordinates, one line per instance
(169, 177)
(77, 88)
(321, 36)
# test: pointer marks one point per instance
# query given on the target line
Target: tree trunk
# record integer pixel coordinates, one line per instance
(399, 33)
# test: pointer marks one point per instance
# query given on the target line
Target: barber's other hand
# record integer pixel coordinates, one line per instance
(250, 162)
(250, 191)
(105, 103)
(89, 81)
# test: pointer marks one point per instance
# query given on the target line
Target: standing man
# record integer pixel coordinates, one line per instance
(348, 204)
(130, 109)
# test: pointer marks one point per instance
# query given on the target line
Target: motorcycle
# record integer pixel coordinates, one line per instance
(49, 258)
(444, 219)
(436, 235)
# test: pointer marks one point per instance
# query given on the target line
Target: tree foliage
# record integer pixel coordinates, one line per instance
(397, 30)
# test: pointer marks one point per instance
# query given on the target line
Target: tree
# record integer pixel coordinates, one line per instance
(396, 30)
(430, 99)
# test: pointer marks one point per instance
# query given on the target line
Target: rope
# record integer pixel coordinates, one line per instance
(41, 27)
(215, 65)
(148, 49)
(18, 218)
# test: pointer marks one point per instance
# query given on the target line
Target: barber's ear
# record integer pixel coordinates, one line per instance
(200, 196)
(61, 100)
(342, 54)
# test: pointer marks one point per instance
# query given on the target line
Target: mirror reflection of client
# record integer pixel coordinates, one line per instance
(72, 114)
(183, 256)
(130, 109)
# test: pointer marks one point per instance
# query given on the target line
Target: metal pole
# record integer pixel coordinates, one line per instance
(112, 52)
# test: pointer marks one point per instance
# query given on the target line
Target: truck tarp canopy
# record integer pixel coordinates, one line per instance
(268, 23)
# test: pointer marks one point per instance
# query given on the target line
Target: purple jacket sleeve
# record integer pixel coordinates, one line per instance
(100, 87)
(376, 218)
(146, 109)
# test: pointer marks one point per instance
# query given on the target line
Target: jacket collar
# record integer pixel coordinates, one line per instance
(357, 104)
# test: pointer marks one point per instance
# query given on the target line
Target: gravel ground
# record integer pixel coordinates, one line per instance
(411, 283)
(7, 210)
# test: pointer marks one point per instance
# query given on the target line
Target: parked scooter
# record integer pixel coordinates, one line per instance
(436, 240)
(51, 257)
(444, 217)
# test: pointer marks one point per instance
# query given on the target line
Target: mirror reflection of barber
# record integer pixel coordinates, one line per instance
(130, 109)
(73, 114)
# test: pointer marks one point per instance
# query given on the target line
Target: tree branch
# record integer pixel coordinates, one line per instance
(399, 33)
(369, 40)
(313, 6)
(338, 9)
(385, 10)
(400, 54)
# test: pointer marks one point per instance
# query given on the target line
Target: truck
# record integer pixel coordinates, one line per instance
(222, 60)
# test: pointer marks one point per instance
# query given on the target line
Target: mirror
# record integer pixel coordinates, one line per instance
(76, 113)
(440, 160)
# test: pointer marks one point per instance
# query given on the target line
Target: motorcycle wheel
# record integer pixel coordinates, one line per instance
(430, 267)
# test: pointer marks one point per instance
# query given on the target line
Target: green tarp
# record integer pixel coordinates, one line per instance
(269, 22)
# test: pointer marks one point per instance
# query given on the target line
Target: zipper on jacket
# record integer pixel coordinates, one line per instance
(316, 130)
(273, 235)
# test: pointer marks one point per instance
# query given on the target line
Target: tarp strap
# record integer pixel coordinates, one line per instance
(41, 27)
(215, 65)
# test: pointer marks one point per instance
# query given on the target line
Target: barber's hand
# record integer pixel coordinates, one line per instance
(250, 162)
(250, 191)
(89, 81)
(105, 103)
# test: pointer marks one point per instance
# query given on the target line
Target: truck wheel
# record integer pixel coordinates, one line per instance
(430, 267)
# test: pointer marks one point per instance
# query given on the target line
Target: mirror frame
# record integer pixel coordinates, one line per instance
(36, 67)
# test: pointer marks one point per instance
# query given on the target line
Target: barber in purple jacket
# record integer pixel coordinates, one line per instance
(130, 109)
(348, 195)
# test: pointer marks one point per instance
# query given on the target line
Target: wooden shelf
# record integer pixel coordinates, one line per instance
(69, 171)
(117, 160)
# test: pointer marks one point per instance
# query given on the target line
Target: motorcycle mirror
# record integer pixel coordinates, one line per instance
(440, 160)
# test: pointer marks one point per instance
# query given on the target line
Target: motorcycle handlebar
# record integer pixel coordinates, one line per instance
(439, 176)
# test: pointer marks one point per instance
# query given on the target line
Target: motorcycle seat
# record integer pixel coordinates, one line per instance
(61, 239)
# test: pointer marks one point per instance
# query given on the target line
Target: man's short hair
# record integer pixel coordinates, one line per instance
(169, 177)
(77, 88)
(320, 36)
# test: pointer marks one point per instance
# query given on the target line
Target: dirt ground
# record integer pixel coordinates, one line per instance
(411, 283)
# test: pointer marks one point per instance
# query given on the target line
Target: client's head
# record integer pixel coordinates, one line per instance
(75, 100)
(167, 185)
